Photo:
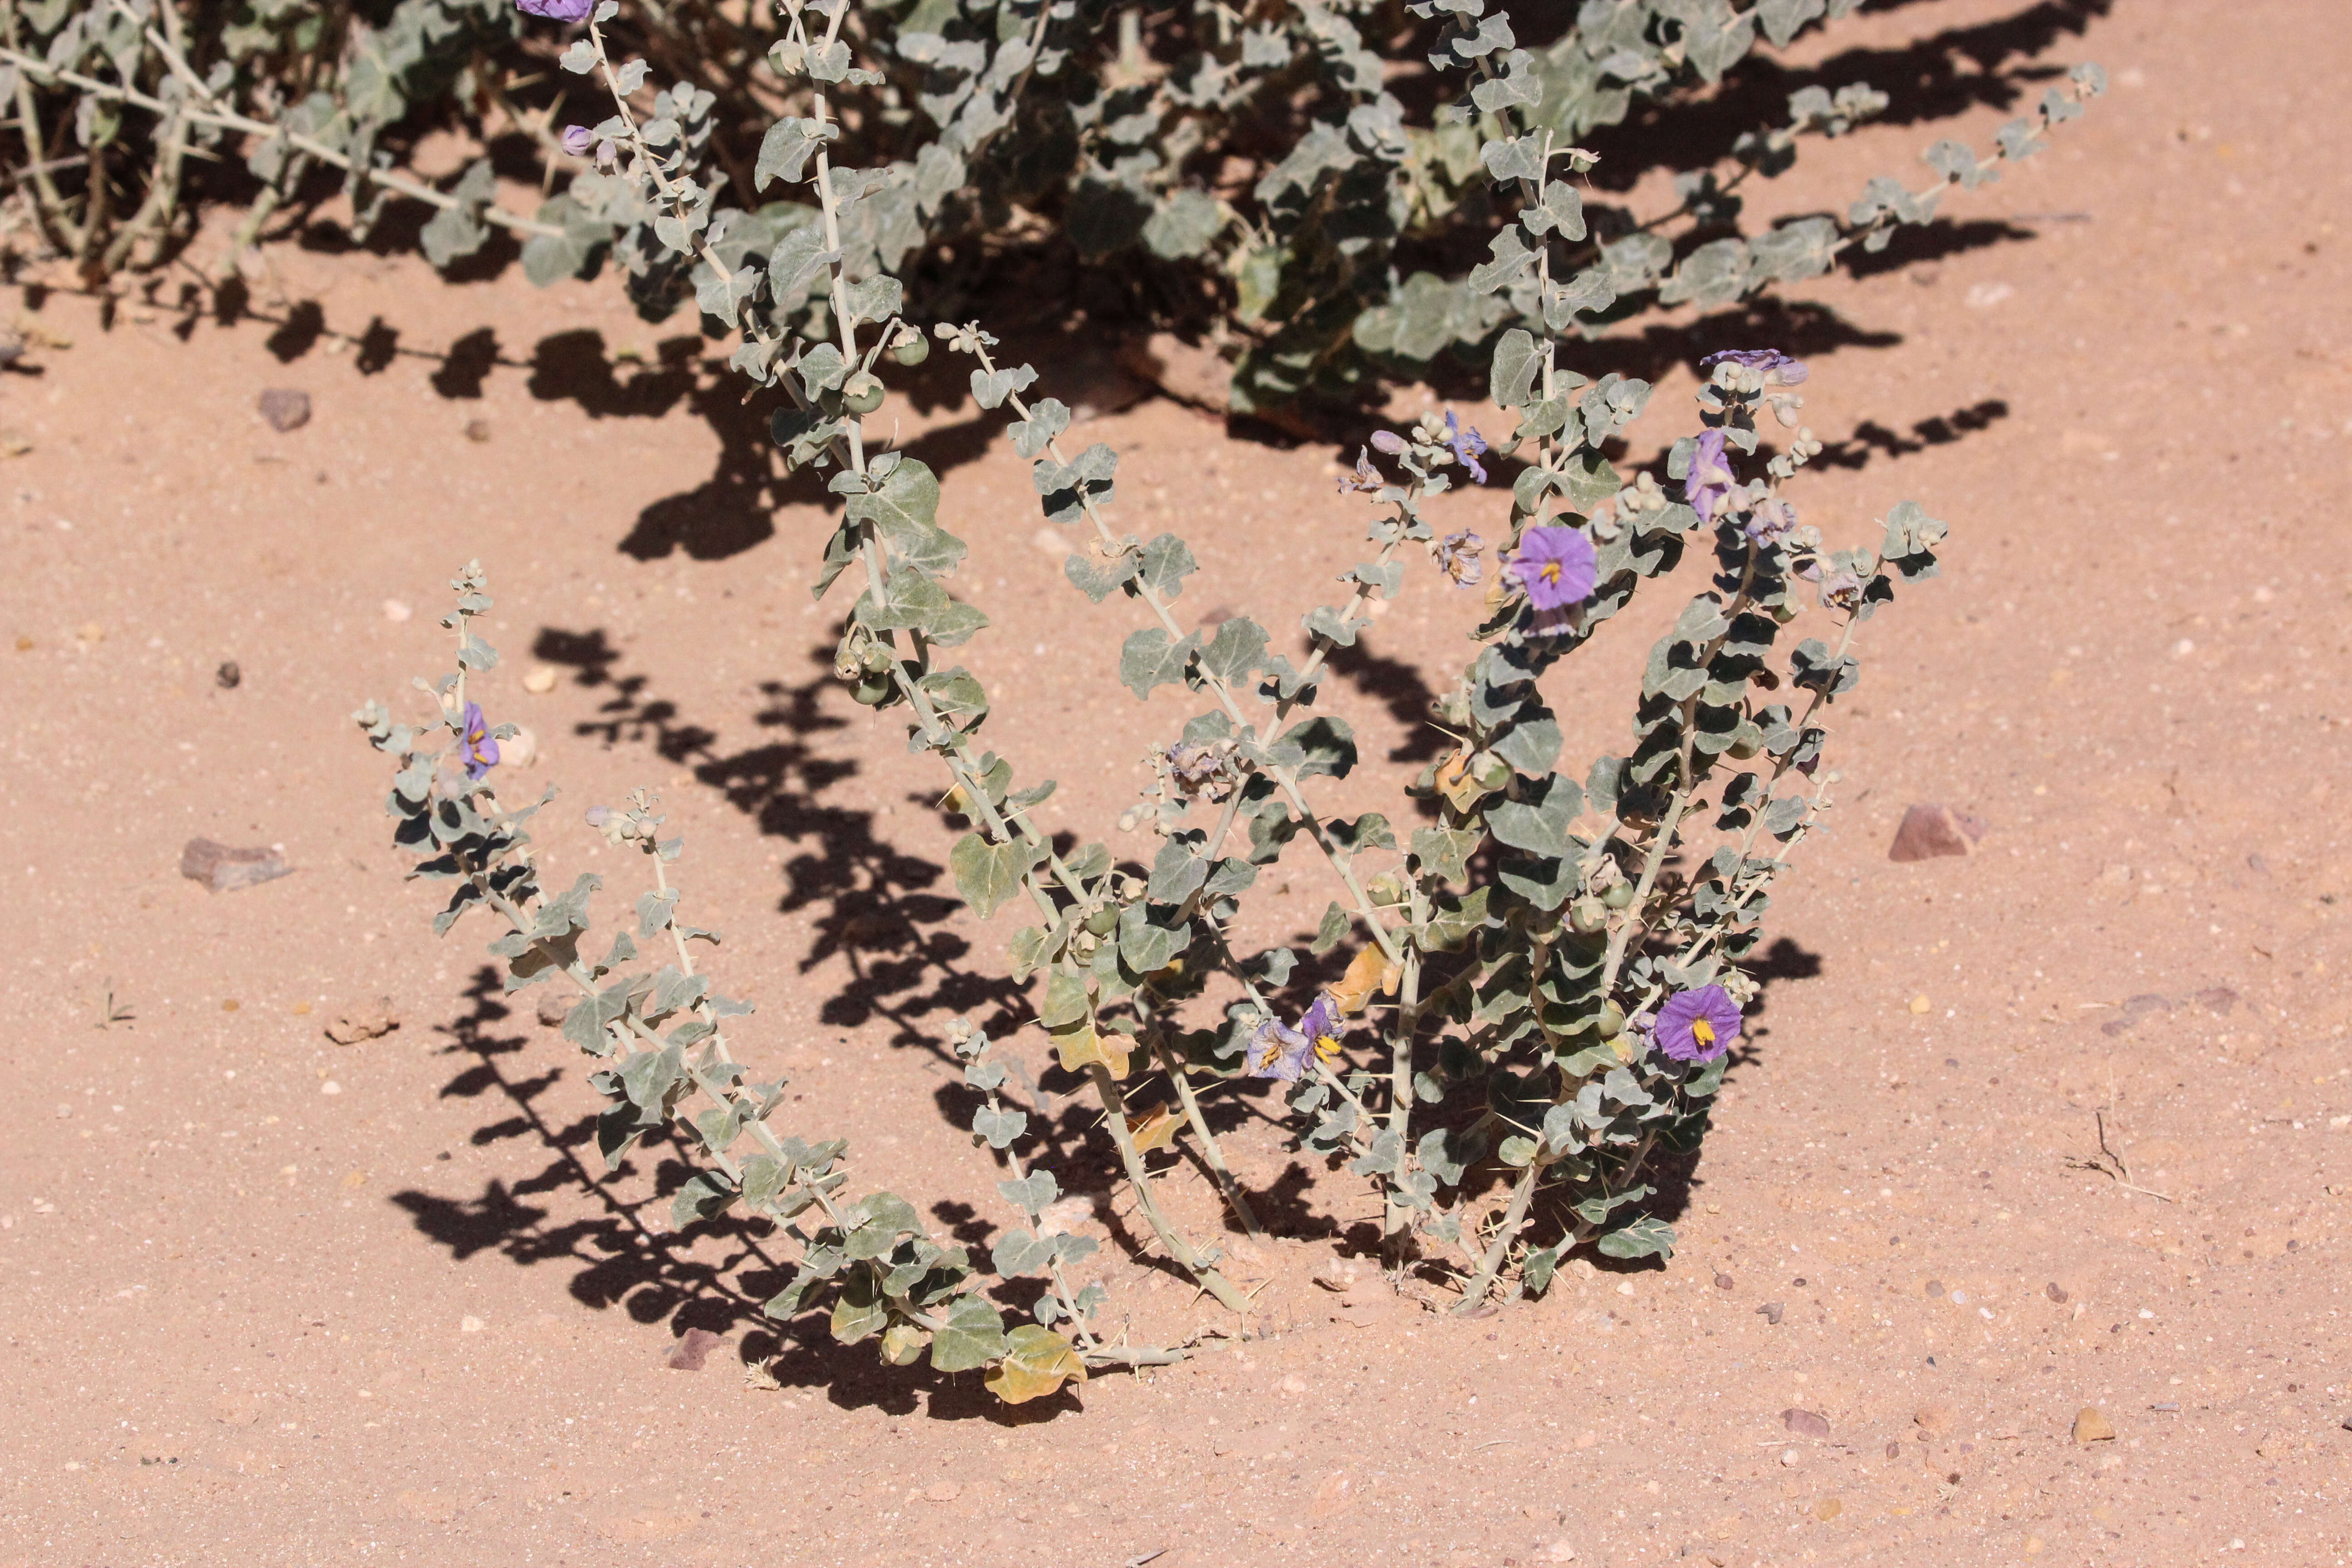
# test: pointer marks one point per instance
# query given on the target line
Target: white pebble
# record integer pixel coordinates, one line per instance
(519, 750)
(1789, 1457)
(540, 680)
(331, 1087)
(395, 612)
(469, 1325)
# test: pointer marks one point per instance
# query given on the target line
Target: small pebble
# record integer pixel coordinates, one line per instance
(223, 869)
(2091, 1426)
(540, 680)
(1920, 1004)
(285, 408)
(331, 1087)
(2055, 1291)
(693, 1348)
(1770, 1311)
(1293, 1383)
(469, 1325)
(229, 677)
(1932, 1418)
(1894, 1450)
(1805, 1423)
(1929, 831)
(1625, 1286)
(1789, 1457)
(1935, 1290)
(943, 1491)
(519, 750)
(1723, 1281)
(477, 430)
(395, 612)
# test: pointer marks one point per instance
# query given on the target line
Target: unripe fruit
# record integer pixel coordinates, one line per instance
(1588, 915)
(912, 349)
(1611, 1023)
(1619, 896)
(1103, 920)
(862, 394)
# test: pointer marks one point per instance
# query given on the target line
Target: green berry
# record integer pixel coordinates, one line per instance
(912, 349)
(862, 394)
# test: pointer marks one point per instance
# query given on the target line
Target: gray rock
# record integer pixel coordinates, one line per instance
(285, 408)
(1805, 1423)
(224, 869)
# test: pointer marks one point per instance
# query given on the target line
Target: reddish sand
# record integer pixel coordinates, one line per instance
(269, 1299)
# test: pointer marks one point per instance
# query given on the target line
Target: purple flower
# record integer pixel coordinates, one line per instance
(1365, 476)
(1458, 558)
(476, 749)
(1388, 441)
(1697, 1026)
(557, 10)
(1771, 362)
(1467, 446)
(1771, 522)
(1282, 1053)
(1556, 566)
(1708, 485)
(577, 140)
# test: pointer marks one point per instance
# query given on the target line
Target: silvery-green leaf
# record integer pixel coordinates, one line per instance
(1164, 564)
(1033, 1192)
(1238, 647)
(1645, 1237)
(987, 874)
(1149, 659)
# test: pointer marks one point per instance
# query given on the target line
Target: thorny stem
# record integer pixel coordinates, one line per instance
(1211, 1153)
(1137, 1177)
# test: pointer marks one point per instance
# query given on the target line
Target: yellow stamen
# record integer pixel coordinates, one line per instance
(1702, 1031)
(1326, 1046)
(1550, 572)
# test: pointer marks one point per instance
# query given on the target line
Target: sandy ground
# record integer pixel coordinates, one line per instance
(269, 1300)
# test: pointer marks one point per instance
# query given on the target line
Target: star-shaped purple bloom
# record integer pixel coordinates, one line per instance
(1708, 485)
(476, 749)
(1278, 1052)
(1768, 360)
(557, 10)
(1555, 566)
(1697, 1026)
(577, 140)
(1467, 446)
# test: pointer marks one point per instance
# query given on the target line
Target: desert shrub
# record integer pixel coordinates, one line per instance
(1547, 958)
(1547, 970)
(1299, 181)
